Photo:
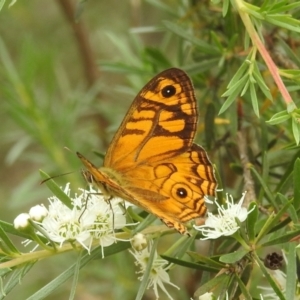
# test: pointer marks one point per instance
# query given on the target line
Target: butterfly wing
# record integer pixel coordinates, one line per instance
(160, 123)
(174, 190)
(152, 161)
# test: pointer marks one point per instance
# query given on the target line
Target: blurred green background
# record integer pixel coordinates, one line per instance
(54, 96)
(65, 87)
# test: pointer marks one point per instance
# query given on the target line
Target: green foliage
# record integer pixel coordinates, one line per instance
(244, 61)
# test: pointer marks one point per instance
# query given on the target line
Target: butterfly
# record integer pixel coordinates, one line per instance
(152, 161)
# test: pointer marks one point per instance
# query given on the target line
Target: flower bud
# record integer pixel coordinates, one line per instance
(139, 242)
(21, 222)
(38, 213)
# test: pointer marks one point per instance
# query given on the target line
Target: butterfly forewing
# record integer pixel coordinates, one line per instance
(160, 123)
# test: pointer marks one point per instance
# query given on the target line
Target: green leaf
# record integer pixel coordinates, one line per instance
(233, 94)
(216, 40)
(265, 187)
(296, 130)
(205, 259)
(253, 11)
(225, 7)
(291, 272)
(244, 289)
(289, 52)
(240, 73)
(56, 190)
(9, 228)
(279, 117)
(144, 223)
(218, 282)
(4, 272)
(296, 179)
(291, 210)
(260, 81)
(16, 276)
(254, 99)
(233, 257)
(182, 245)
(286, 238)
(192, 265)
(287, 177)
(251, 220)
(8, 243)
(271, 221)
(284, 21)
(292, 75)
(245, 88)
(75, 276)
(281, 6)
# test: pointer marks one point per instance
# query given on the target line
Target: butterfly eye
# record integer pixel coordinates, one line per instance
(168, 91)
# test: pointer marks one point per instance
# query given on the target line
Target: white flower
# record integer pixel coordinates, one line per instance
(38, 212)
(62, 224)
(90, 219)
(224, 224)
(106, 218)
(21, 222)
(158, 274)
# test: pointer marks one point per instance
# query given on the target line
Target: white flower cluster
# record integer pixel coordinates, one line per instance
(224, 224)
(90, 221)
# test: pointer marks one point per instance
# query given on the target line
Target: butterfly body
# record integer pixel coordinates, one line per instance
(152, 161)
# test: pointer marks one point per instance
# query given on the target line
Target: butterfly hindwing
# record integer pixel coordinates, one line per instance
(174, 190)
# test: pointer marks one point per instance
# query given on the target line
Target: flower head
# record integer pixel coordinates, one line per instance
(90, 219)
(107, 217)
(224, 224)
(158, 274)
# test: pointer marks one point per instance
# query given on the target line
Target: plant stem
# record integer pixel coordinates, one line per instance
(242, 9)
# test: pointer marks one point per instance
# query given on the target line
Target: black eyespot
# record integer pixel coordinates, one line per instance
(168, 91)
(181, 193)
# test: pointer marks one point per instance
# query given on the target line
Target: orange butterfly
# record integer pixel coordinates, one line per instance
(152, 161)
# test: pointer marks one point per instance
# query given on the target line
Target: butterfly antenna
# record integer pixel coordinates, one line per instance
(56, 176)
